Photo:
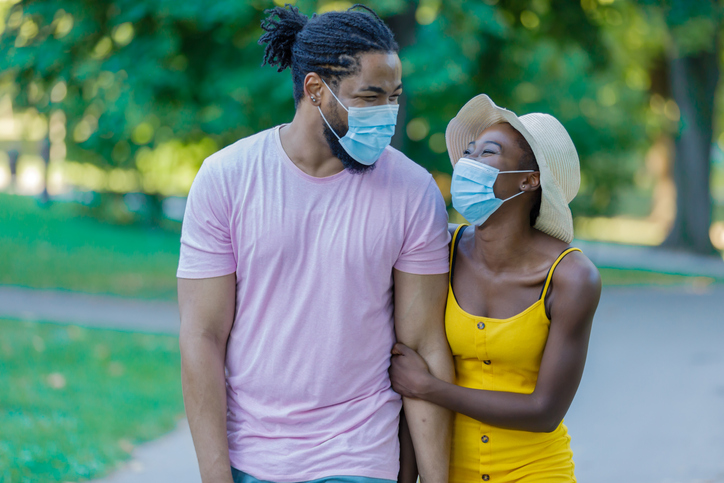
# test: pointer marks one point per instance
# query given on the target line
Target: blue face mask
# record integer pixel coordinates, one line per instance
(370, 130)
(472, 190)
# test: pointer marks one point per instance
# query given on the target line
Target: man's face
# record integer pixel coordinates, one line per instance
(378, 83)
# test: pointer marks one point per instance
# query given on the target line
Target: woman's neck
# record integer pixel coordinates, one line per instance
(503, 242)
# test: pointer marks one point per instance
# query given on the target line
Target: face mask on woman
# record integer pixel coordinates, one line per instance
(472, 190)
(370, 130)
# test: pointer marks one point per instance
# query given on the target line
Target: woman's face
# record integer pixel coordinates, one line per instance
(498, 147)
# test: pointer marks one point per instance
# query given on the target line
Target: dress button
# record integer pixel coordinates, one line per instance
(481, 325)
(485, 439)
(486, 477)
(487, 363)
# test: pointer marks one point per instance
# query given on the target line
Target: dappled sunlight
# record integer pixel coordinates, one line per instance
(717, 235)
(5, 177)
(109, 109)
(620, 230)
(170, 168)
(444, 182)
(31, 176)
(57, 183)
(9, 129)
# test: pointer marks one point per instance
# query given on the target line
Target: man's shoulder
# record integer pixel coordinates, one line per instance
(237, 154)
(403, 171)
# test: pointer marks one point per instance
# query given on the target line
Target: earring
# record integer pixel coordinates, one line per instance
(313, 99)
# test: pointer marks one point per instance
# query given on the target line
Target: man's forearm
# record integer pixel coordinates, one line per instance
(408, 466)
(430, 425)
(204, 390)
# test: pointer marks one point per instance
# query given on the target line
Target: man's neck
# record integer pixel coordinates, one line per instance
(303, 141)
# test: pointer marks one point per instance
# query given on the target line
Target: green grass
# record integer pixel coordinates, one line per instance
(75, 400)
(57, 247)
(60, 248)
(625, 277)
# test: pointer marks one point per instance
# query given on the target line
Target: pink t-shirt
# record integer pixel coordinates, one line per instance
(308, 391)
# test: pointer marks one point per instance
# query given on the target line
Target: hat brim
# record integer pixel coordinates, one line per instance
(477, 115)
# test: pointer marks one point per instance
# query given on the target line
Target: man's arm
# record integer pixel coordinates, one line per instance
(419, 323)
(408, 465)
(207, 314)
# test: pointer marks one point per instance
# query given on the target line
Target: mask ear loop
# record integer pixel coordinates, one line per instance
(522, 171)
(513, 196)
(328, 125)
(330, 91)
(323, 117)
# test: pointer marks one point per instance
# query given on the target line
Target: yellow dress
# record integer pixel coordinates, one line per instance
(502, 355)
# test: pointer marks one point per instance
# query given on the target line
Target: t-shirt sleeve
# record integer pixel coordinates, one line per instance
(206, 248)
(425, 249)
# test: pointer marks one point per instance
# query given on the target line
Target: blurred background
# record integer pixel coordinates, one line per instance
(108, 108)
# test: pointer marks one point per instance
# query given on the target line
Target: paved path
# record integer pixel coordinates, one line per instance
(649, 409)
(656, 259)
(170, 458)
(103, 311)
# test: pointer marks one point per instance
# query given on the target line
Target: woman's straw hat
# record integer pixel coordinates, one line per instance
(560, 174)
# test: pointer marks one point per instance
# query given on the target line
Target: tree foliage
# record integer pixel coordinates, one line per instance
(132, 75)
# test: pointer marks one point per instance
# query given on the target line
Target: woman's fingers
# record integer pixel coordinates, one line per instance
(401, 349)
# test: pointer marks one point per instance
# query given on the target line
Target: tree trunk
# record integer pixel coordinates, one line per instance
(693, 85)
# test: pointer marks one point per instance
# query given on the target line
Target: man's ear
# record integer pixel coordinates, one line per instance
(314, 90)
(531, 182)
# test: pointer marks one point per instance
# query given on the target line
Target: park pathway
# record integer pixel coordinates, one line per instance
(169, 459)
(649, 409)
(103, 311)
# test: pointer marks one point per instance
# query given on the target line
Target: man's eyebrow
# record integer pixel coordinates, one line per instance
(379, 90)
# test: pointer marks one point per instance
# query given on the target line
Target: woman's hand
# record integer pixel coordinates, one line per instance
(409, 373)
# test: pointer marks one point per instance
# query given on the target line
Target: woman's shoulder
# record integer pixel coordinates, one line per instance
(576, 281)
(453, 227)
(575, 271)
(577, 268)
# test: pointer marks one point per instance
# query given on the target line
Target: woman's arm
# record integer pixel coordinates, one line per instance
(572, 306)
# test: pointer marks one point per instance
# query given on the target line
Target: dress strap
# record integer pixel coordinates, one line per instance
(454, 246)
(549, 277)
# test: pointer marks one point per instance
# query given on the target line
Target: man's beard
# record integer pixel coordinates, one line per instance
(349, 163)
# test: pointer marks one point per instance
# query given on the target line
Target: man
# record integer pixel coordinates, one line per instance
(292, 244)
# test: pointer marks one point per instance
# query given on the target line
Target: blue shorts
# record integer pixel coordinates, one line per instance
(241, 477)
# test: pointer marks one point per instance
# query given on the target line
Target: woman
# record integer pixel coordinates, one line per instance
(520, 301)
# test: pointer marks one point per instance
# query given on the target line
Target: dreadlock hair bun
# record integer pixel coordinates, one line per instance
(281, 34)
(328, 44)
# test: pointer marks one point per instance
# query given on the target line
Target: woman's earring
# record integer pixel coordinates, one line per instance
(313, 99)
